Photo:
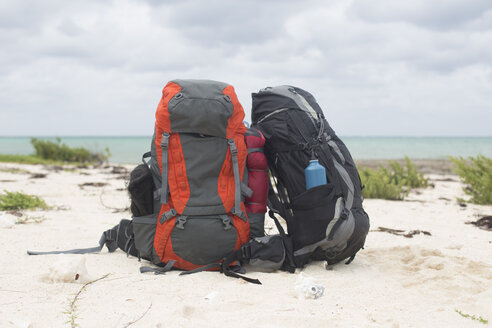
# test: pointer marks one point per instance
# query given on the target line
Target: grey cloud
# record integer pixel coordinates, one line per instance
(230, 23)
(72, 67)
(438, 14)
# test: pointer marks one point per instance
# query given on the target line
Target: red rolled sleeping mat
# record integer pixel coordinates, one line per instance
(257, 167)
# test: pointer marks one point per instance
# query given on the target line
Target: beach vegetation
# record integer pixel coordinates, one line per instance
(393, 182)
(59, 151)
(30, 219)
(25, 159)
(14, 170)
(472, 317)
(476, 173)
(72, 310)
(20, 201)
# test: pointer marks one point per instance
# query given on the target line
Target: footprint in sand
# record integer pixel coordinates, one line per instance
(430, 269)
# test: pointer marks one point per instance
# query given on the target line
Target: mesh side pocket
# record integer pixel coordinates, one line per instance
(141, 188)
(313, 211)
(144, 232)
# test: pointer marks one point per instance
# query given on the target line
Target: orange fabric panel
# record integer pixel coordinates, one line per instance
(178, 181)
(235, 124)
(225, 185)
(162, 121)
(162, 231)
(242, 230)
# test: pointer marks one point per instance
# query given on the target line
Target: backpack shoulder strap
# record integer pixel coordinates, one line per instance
(119, 236)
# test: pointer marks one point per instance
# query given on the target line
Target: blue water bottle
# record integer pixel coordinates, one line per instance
(315, 174)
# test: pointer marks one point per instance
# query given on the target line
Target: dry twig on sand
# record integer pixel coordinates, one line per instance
(139, 318)
(484, 223)
(398, 232)
(73, 305)
(115, 209)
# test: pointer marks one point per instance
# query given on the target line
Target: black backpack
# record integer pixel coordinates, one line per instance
(325, 222)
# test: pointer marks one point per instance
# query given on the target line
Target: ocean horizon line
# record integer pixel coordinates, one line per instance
(339, 135)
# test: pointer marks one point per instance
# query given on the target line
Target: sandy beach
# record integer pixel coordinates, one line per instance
(399, 280)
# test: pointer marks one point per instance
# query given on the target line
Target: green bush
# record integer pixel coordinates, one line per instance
(392, 183)
(20, 201)
(476, 173)
(408, 175)
(378, 184)
(59, 151)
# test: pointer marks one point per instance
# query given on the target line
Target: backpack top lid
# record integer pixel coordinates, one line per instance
(270, 99)
(200, 106)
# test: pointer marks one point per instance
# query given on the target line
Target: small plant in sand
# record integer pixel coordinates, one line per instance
(30, 219)
(472, 317)
(476, 173)
(20, 201)
(392, 183)
(59, 151)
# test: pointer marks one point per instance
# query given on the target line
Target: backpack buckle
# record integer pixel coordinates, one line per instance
(180, 222)
(227, 223)
(165, 140)
(232, 146)
(345, 214)
(245, 252)
(167, 215)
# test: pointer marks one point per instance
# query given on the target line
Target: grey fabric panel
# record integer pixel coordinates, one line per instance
(200, 107)
(204, 158)
(196, 88)
(337, 243)
(203, 240)
(147, 219)
(204, 210)
(144, 232)
(348, 181)
(339, 206)
(256, 224)
(335, 147)
(265, 266)
(284, 90)
(267, 253)
(154, 165)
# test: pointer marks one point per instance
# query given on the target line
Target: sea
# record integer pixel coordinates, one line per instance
(128, 150)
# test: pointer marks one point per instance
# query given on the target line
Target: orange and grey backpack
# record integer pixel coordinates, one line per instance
(187, 196)
(197, 163)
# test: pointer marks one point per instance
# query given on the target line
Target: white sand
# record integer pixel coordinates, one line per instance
(394, 282)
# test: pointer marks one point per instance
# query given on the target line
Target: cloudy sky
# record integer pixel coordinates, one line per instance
(377, 67)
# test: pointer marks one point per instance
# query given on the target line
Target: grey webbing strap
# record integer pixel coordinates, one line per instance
(237, 179)
(245, 190)
(164, 147)
(160, 270)
(146, 155)
(255, 150)
(201, 269)
(108, 238)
